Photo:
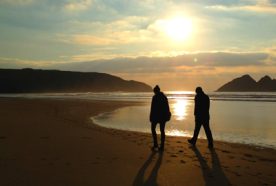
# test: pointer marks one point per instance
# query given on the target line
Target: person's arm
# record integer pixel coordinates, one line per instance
(208, 103)
(195, 107)
(167, 105)
(151, 109)
(167, 109)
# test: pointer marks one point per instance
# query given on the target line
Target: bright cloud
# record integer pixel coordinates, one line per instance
(76, 5)
(262, 6)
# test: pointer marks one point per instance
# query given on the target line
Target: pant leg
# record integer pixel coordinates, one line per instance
(208, 132)
(163, 135)
(198, 124)
(154, 135)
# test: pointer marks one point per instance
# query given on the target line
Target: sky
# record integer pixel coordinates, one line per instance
(176, 44)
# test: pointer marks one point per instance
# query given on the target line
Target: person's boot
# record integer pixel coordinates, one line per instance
(210, 145)
(191, 141)
(161, 148)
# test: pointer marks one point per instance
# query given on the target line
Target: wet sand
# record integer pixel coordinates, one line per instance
(54, 142)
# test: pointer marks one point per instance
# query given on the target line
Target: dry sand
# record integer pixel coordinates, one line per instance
(53, 142)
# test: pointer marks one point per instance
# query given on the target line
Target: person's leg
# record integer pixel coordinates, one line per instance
(208, 133)
(196, 131)
(163, 135)
(154, 135)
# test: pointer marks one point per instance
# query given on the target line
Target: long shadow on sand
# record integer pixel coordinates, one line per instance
(213, 175)
(152, 179)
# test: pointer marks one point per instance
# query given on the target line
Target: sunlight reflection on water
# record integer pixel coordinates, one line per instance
(177, 132)
(180, 109)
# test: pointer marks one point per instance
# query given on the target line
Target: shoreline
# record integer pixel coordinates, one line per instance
(52, 142)
(249, 145)
(271, 147)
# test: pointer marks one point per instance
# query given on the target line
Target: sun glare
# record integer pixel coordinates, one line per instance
(180, 109)
(178, 29)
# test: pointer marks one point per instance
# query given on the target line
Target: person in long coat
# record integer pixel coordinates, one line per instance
(159, 113)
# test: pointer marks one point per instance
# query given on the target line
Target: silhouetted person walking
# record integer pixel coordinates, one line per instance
(159, 113)
(202, 117)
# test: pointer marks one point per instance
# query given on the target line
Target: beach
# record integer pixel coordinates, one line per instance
(54, 142)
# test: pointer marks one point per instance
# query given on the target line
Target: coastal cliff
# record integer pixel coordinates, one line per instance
(39, 81)
(246, 83)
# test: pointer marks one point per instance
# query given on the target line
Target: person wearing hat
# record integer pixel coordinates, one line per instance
(159, 113)
(202, 117)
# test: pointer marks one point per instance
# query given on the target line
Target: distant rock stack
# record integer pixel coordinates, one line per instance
(267, 84)
(247, 84)
(42, 81)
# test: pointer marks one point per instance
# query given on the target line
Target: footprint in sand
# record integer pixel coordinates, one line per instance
(233, 172)
(239, 175)
(50, 163)
(44, 137)
(267, 160)
(265, 184)
(225, 151)
(86, 137)
(248, 155)
(226, 167)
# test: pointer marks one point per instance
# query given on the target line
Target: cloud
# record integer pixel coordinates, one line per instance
(92, 40)
(19, 63)
(155, 64)
(271, 60)
(16, 2)
(127, 30)
(180, 63)
(262, 6)
(77, 5)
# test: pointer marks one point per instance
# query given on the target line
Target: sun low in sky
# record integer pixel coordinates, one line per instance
(178, 28)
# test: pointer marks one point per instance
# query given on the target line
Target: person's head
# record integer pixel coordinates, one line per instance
(199, 90)
(156, 89)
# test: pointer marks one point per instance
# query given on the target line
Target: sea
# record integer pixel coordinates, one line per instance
(238, 117)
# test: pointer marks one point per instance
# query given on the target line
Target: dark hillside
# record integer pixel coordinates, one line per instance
(31, 81)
